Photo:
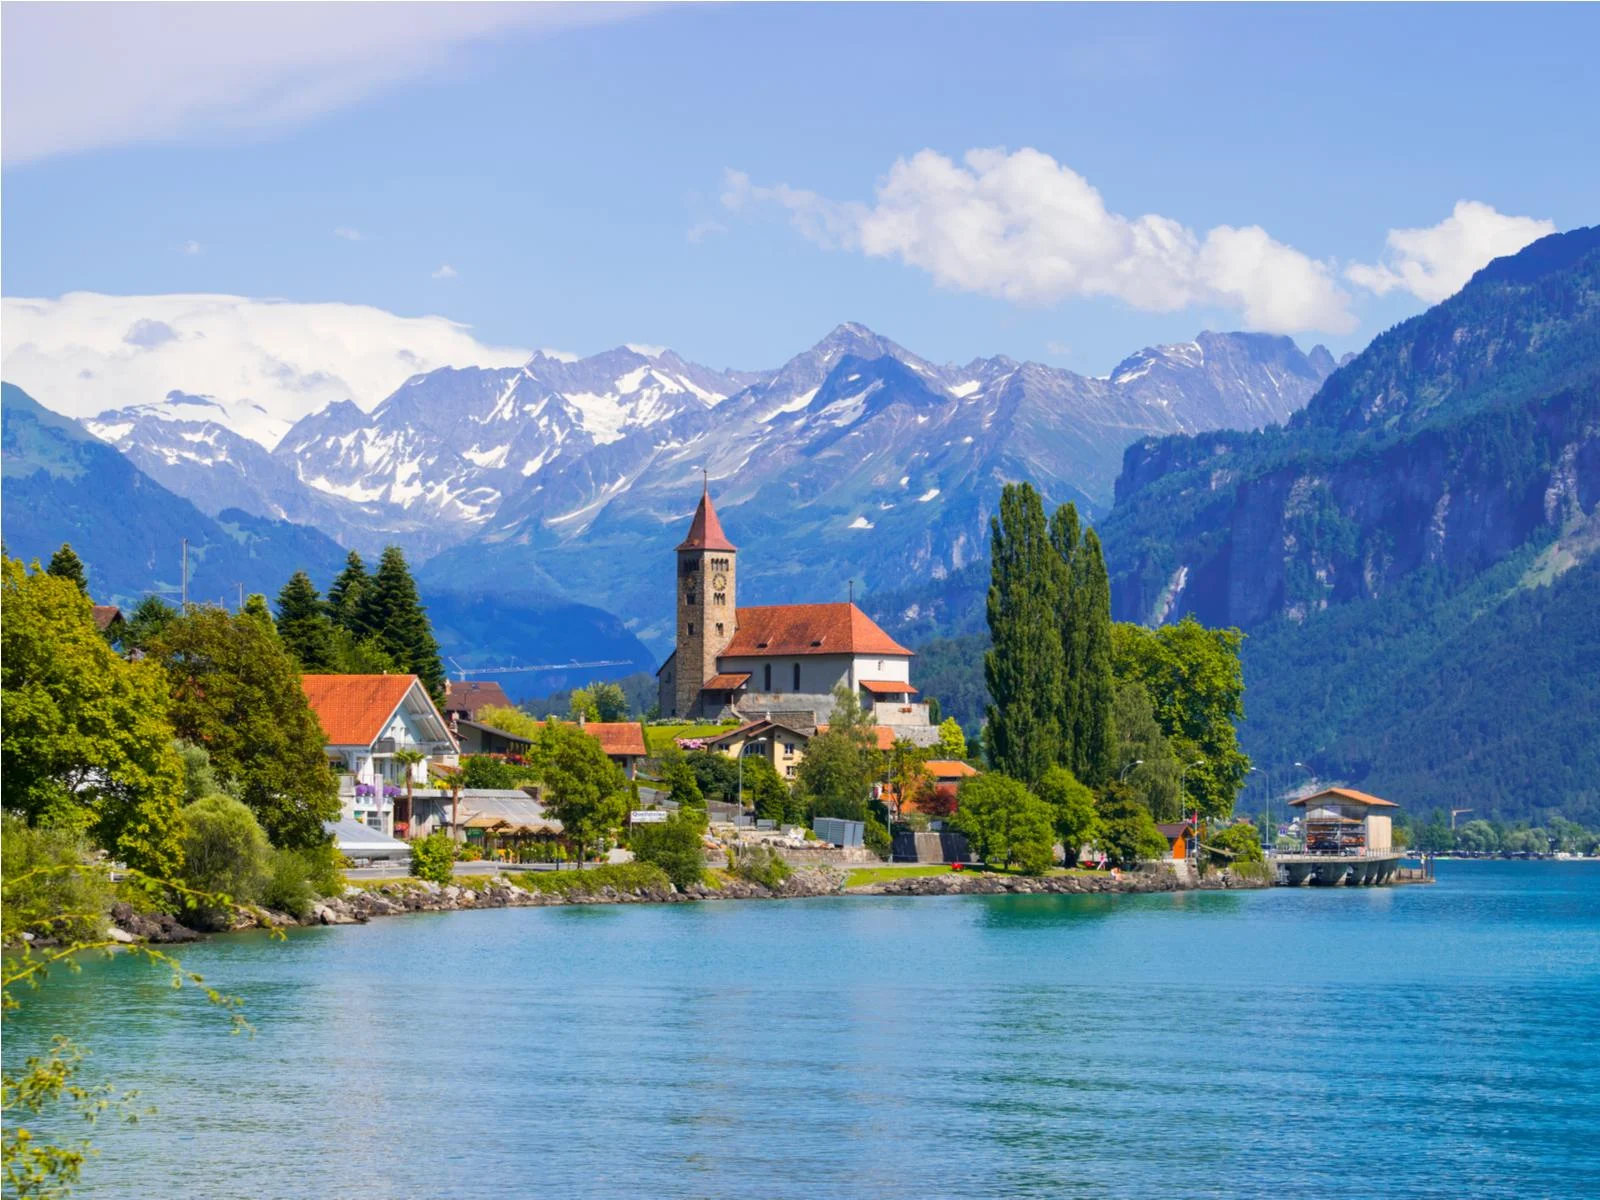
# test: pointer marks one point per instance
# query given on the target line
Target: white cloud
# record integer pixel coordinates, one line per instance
(348, 234)
(1026, 228)
(1432, 264)
(445, 271)
(76, 79)
(190, 247)
(268, 362)
(701, 230)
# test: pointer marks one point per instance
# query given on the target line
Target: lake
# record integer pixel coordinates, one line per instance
(1413, 1041)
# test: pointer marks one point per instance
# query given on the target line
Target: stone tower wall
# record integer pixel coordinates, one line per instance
(705, 621)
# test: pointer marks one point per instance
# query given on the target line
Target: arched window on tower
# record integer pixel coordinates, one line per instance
(796, 677)
(766, 678)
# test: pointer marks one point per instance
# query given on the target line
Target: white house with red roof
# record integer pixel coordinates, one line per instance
(778, 661)
(368, 720)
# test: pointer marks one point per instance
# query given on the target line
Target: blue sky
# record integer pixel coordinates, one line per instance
(576, 181)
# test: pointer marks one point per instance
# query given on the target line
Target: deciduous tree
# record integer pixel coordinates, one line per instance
(1005, 822)
(1072, 805)
(583, 789)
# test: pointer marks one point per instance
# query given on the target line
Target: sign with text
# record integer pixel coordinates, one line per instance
(647, 816)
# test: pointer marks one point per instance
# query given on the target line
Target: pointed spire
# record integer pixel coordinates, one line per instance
(705, 531)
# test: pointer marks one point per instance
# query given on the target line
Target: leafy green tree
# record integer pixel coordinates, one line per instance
(1196, 687)
(255, 607)
(1477, 837)
(305, 626)
(486, 771)
(583, 789)
(716, 774)
(679, 777)
(236, 691)
(765, 790)
(87, 738)
(610, 701)
(512, 720)
(199, 778)
(346, 597)
(1077, 821)
(392, 612)
(1024, 665)
(65, 564)
(907, 770)
(952, 742)
(225, 854)
(1145, 760)
(1005, 823)
(150, 616)
(1128, 832)
(674, 845)
(581, 705)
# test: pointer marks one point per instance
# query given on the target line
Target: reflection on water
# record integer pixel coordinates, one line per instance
(1203, 1044)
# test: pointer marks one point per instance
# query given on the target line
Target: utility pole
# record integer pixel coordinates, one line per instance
(241, 599)
(183, 590)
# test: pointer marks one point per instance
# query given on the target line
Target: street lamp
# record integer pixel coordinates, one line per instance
(1123, 778)
(1183, 791)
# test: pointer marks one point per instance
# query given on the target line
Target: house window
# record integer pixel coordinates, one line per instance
(788, 747)
(789, 770)
(797, 677)
(766, 677)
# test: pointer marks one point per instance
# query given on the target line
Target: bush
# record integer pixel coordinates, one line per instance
(621, 877)
(434, 858)
(1128, 832)
(226, 855)
(1234, 846)
(289, 888)
(50, 888)
(760, 864)
(673, 845)
(485, 771)
(877, 839)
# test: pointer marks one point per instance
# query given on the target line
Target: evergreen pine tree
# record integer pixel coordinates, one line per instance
(255, 607)
(1024, 666)
(391, 609)
(65, 564)
(304, 625)
(1094, 739)
(345, 596)
(1066, 537)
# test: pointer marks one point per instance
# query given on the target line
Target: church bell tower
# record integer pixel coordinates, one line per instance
(705, 607)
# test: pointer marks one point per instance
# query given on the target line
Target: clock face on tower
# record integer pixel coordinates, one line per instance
(719, 581)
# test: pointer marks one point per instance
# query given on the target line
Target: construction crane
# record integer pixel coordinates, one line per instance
(1456, 812)
(462, 672)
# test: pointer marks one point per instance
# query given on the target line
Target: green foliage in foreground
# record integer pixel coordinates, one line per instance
(1006, 823)
(434, 858)
(1234, 846)
(1128, 832)
(760, 865)
(45, 890)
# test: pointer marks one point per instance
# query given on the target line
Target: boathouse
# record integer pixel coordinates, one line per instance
(1349, 838)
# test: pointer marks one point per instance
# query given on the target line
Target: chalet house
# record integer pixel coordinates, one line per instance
(781, 743)
(367, 720)
(623, 742)
(464, 697)
(780, 661)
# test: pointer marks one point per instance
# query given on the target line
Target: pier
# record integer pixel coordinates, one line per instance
(1359, 869)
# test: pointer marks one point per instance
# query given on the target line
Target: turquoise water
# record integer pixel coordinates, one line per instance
(1418, 1041)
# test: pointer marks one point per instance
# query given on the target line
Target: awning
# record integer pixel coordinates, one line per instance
(362, 841)
(726, 683)
(888, 687)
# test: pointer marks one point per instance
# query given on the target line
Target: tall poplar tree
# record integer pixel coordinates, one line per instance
(1066, 534)
(392, 611)
(65, 564)
(1095, 687)
(1023, 668)
(305, 627)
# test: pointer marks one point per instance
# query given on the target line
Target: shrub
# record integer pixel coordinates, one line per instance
(50, 888)
(877, 839)
(434, 858)
(469, 853)
(762, 865)
(1128, 832)
(1234, 846)
(289, 888)
(673, 845)
(621, 877)
(225, 854)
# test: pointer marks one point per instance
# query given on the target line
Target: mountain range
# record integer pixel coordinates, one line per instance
(562, 475)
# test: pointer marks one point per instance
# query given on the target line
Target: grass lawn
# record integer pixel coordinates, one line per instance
(862, 876)
(659, 737)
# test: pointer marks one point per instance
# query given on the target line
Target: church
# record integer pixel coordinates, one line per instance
(776, 662)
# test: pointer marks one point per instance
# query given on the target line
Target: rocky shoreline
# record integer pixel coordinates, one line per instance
(397, 897)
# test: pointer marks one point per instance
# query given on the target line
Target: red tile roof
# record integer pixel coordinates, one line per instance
(1349, 794)
(469, 695)
(617, 738)
(949, 768)
(787, 629)
(705, 531)
(104, 615)
(353, 709)
(726, 683)
(887, 687)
